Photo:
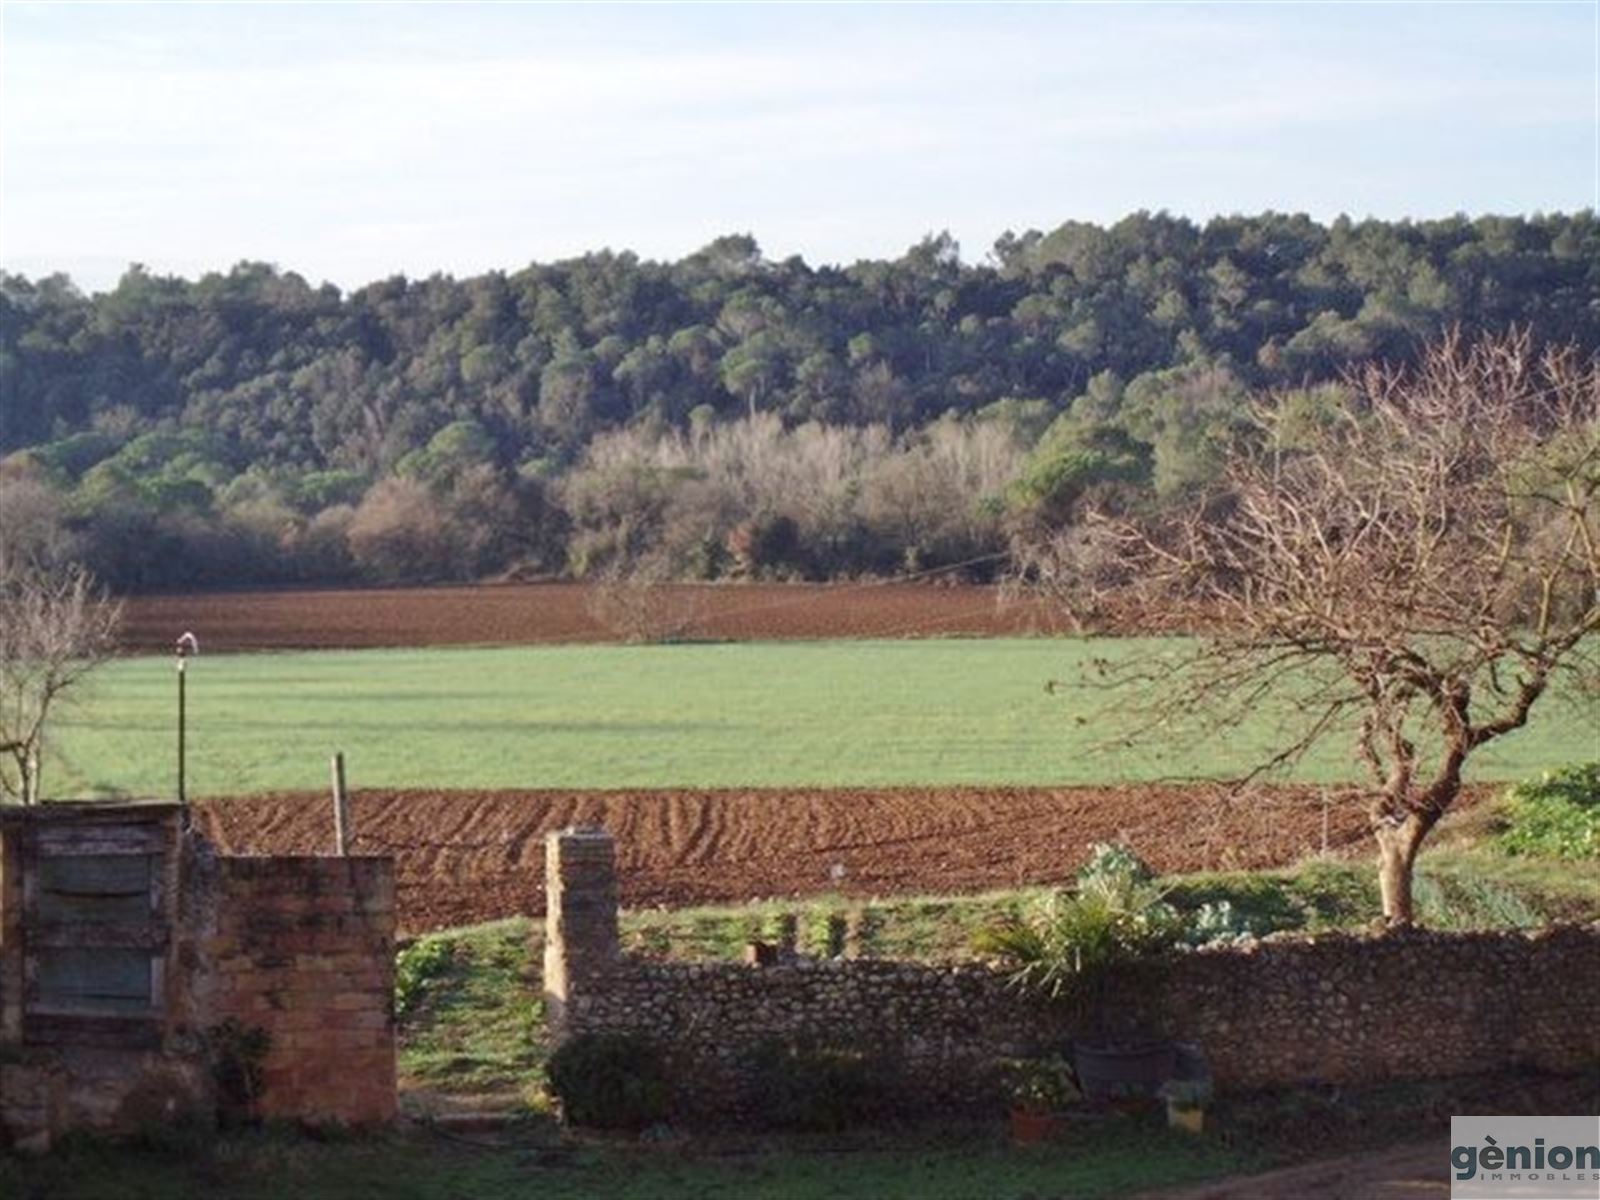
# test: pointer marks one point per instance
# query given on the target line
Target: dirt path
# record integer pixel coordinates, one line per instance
(470, 856)
(1414, 1172)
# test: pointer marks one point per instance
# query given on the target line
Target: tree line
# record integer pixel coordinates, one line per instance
(726, 414)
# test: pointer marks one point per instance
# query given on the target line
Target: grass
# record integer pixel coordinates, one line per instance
(1458, 888)
(970, 1161)
(475, 1024)
(749, 714)
(959, 1163)
(1563, 891)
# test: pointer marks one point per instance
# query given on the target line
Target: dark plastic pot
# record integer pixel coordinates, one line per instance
(1113, 1070)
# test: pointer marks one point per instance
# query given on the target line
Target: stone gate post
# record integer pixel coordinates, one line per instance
(580, 915)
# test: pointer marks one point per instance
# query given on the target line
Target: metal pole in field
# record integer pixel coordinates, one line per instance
(341, 808)
(187, 644)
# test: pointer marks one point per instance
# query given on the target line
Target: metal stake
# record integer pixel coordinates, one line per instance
(187, 644)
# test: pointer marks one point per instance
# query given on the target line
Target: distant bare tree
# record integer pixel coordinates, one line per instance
(36, 528)
(1412, 566)
(402, 529)
(56, 626)
(639, 603)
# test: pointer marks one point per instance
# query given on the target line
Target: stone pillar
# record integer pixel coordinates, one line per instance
(11, 961)
(580, 903)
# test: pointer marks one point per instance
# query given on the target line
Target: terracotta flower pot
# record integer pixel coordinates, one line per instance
(1030, 1126)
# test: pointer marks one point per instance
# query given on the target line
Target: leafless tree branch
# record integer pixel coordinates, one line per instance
(56, 626)
(1430, 552)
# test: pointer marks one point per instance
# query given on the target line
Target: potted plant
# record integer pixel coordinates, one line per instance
(1186, 1103)
(1039, 1089)
(1067, 949)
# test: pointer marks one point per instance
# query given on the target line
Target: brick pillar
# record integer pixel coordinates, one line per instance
(580, 891)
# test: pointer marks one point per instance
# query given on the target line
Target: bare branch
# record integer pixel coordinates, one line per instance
(56, 626)
(1435, 545)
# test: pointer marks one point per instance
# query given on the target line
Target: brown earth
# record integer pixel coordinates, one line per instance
(565, 612)
(469, 856)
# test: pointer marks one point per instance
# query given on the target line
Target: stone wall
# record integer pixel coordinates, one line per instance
(304, 949)
(1289, 1009)
(1350, 1008)
(11, 959)
(939, 1032)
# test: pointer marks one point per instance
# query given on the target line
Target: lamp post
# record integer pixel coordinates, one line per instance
(187, 644)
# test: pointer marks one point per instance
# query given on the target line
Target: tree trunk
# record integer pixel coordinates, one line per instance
(1397, 859)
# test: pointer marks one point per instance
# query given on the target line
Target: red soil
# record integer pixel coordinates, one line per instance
(562, 612)
(464, 857)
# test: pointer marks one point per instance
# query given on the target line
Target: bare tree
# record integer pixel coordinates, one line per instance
(639, 603)
(1412, 565)
(56, 625)
(36, 529)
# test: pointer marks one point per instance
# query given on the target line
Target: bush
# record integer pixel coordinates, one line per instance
(1218, 921)
(1115, 860)
(640, 605)
(610, 1081)
(818, 1089)
(1040, 1084)
(1065, 945)
(423, 960)
(1556, 816)
(1472, 903)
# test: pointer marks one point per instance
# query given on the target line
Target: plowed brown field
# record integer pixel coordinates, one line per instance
(465, 857)
(563, 612)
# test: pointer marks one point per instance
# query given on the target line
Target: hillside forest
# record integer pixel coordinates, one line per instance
(725, 415)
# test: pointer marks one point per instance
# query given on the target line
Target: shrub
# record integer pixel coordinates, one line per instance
(1040, 1084)
(1557, 815)
(818, 1089)
(1115, 860)
(610, 1081)
(1472, 903)
(1065, 945)
(641, 605)
(425, 959)
(1217, 921)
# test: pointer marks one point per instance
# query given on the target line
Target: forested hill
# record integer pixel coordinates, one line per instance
(194, 397)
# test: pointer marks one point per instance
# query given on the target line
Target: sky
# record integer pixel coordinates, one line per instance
(350, 142)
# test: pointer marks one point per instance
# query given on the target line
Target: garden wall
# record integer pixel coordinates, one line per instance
(303, 948)
(1288, 1009)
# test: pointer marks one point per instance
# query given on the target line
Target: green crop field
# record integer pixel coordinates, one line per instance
(746, 714)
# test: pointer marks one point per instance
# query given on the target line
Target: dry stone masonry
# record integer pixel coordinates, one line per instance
(580, 913)
(1284, 1010)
